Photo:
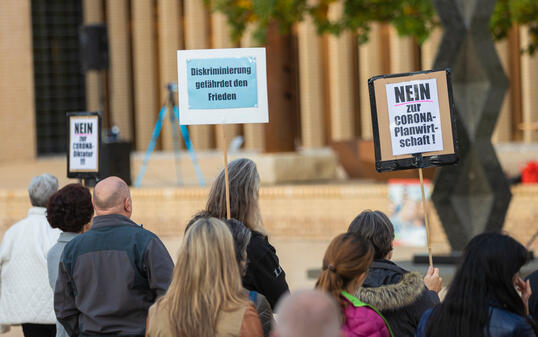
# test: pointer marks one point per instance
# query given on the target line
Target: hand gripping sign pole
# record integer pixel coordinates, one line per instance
(414, 126)
(222, 86)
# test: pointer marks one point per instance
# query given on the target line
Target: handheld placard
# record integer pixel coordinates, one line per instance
(84, 141)
(222, 86)
(414, 125)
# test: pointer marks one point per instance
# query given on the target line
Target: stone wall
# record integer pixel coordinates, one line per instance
(312, 212)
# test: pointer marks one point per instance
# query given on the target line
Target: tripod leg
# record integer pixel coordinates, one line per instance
(151, 146)
(175, 136)
(190, 148)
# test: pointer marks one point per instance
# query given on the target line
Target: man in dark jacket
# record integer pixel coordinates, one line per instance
(109, 276)
(401, 296)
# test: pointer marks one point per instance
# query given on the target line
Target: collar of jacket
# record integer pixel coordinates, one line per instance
(112, 220)
(37, 211)
(67, 236)
(393, 296)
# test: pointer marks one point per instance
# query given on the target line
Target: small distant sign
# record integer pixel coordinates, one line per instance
(413, 120)
(84, 139)
(222, 86)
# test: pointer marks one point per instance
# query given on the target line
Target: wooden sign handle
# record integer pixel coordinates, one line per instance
(227, 183)
(424, 206)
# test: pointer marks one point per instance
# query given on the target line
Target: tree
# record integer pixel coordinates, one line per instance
(415, 18)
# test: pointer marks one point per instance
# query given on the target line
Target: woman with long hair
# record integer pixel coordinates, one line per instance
(205, 298)
(264, 273)
(345, 265)
(483, 299)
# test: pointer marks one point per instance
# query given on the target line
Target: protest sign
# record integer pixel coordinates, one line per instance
(84, 140)
(222, 86)
(413, 120)
(414, 126)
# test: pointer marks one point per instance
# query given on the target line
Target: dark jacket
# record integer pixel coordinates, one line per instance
(400, 296)
(502, 323)
(109, 277)
(533, 300)
(264, 273)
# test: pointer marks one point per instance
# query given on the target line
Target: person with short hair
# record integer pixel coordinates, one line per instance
(487, 296)
(25, 295)
(206, 297)
(264, 273)
(70, 210)
(344, 269)
(307, 313)
(109, 276)
(402, 296)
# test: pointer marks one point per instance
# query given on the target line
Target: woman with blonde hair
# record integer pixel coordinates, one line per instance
(264, 273)
(205, 298)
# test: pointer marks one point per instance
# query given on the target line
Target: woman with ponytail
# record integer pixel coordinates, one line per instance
(345, 265)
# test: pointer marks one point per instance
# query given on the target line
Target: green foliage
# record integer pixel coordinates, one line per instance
(415, 18)
(510, 12)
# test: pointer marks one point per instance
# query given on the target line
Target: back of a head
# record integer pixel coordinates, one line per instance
(241, 236)
(376, 227)
(110, 195)
(70, 208)
(244, 183)
(206, 278)
(41, 188)
(307, 313)
(484, 277)
(347, 257)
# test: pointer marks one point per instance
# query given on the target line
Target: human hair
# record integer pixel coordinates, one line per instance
(307, 313)
(70, 208)
(205, 280)
(484, 277)
(348, 256)
(241, 235)
(41, 188)
(376, 227)
(244, 183)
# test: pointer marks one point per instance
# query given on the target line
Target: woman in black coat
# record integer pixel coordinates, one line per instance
(264, 273)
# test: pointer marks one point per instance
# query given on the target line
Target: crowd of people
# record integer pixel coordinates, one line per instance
(77, 265)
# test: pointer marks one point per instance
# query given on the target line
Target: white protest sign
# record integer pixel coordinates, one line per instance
(83, 143)
(222, 86)
(415, 121)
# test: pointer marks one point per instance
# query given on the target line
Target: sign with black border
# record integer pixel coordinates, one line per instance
(413, 120)
(84, 144)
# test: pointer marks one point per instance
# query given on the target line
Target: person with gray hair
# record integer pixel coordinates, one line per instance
(307, 313)
(25, 295)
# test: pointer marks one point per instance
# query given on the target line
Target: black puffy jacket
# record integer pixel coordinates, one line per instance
(400, 296)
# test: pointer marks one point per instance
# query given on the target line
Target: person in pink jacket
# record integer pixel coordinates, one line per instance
(345, 265)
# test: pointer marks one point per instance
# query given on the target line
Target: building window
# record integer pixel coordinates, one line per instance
(58, 77)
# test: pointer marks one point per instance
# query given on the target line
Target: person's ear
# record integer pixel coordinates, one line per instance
(127, 205)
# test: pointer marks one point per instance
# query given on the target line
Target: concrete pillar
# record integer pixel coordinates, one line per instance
(429, 48)
(120, 77)
(145, 72)
(370, 64)
(341, 77)
(402, 53)
(529, 88)
(17, 107)
(503, 129)
(254, 133)
(311, 85)
(93, 13)
(220, 38)
(170, 40)
(197, 37)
